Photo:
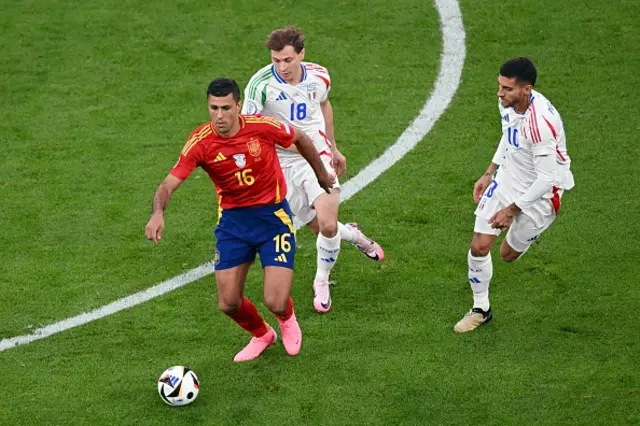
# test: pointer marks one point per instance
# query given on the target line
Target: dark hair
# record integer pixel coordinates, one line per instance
(521, 68)
(289, 36)
(221, 87)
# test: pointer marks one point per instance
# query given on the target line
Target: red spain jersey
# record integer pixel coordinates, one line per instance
(244, 168)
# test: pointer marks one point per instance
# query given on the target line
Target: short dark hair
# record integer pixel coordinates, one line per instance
(283, 37)
(221, 87)
(521, 68)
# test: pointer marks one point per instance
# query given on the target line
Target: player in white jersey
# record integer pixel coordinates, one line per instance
(521, 189)
(296, 92)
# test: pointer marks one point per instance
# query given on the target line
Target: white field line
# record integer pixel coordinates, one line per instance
(452, 61)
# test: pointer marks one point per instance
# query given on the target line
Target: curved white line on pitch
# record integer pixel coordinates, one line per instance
(452, 61)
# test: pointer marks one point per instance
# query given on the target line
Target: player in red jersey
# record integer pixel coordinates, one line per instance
(238, 153)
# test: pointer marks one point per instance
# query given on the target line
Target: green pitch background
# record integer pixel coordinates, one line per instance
(97, 100)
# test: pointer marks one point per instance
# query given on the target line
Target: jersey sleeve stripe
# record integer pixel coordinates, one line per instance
(264, 94)
(553, 130)
(555, 136)
(253, 89)
(315, 67)
(250, 119)
(536, 130)
(326, 81)
(256, 81)
(259, 76)
(319, 71)
(271, 122)
(532, 131)
(198, 136)
(193, 141)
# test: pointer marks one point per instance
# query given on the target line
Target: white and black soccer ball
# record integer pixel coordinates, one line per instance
(178, 386)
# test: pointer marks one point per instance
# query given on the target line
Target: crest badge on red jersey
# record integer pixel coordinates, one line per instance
(254, 147)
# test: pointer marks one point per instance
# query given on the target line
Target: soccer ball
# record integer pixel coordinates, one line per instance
(178, 386)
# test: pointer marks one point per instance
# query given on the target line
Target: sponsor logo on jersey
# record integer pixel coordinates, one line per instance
(240, 160)
(281, 97)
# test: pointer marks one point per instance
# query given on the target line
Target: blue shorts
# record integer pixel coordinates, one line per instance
(266, 230)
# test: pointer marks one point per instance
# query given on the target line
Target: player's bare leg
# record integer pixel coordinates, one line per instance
(230, 283)
(508, 253)
(328, 247)
(313, 225)
(277, 297)
(480, 273)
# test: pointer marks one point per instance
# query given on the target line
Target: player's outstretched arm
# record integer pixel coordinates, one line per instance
(327, 113)
(161, 198)
(484, 181)
(546, 169)
(339, 160)
(305, 147)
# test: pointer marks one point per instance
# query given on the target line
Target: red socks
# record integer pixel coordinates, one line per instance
(288, 312)
(247, 317)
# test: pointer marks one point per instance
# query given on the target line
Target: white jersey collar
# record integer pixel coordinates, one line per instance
(281, 80)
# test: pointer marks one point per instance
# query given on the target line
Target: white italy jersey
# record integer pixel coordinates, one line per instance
(298, 105)
(539, 131)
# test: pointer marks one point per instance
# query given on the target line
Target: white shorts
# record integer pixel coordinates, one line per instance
(303, 189)
(526, 227)
(302, 183)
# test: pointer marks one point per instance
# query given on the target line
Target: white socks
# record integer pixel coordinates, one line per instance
(328, 250)
(480, 272)
(346, 234)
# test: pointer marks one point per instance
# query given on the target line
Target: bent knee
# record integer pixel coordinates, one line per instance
(229, 305)
(480, 249)
(507, 258)
(328, 228)
(313, 226)
(507, 253)
(275, 305)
